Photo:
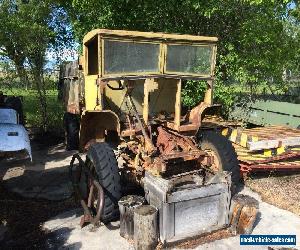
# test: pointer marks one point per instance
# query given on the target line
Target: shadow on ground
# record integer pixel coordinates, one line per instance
(32, 193)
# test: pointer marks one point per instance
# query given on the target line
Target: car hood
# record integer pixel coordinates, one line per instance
(14, 137)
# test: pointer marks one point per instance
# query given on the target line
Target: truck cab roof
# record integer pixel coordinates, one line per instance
(121, 54)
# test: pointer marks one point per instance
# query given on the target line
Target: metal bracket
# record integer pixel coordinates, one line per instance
(91, 214)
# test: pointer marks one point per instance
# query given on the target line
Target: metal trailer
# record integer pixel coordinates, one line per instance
(276, 145)
(270, 148)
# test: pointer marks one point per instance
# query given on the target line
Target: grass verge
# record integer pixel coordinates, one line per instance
(31, 108)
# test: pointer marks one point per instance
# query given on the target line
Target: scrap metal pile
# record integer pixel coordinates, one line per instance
(187, 205)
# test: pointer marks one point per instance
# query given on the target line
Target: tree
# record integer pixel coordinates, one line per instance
(255, 39)
(9, 40)
(28, 30)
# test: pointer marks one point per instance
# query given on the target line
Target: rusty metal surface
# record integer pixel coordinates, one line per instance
(176, 149)
(280, 166)
(278, 158)
(169, 141)
(71, 87)
(199, 112)
(287, 161)
(92, 127)
(149, 147)
(153, 147)
(92, 214)
(173, 154)
(193, 120)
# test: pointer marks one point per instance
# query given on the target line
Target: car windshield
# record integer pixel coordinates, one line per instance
(8, 116)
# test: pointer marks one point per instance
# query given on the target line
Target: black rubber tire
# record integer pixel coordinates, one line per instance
(72, 125)
(222, 147)
(101, 157)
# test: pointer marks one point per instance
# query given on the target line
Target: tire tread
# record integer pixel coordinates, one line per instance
(106, 166)
(224, 149)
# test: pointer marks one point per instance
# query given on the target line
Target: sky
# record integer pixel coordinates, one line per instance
(67, 54)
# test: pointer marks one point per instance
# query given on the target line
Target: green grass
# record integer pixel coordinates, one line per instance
(32, 108)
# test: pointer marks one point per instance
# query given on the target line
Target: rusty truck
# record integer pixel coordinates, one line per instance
(124, 110)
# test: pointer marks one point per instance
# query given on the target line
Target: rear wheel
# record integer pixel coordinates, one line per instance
(225, 157)
(71, 123)
(102, 162)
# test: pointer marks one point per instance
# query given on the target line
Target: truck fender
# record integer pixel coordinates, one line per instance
(94, 126)
(198, 113)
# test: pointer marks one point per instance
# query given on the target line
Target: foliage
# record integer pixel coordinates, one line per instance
(8, 75)
(33, 115)
(28, 30)
(194, 91)
(258, 38)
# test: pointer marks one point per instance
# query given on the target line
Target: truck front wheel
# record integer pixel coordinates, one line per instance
(225, 157)
(102, 162)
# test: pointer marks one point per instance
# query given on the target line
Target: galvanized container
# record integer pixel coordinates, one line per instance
(189, 205)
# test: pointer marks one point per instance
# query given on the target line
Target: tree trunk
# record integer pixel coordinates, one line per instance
(244, 210)
(19, 61)
(145, 228)
(23, 76)
(40, 86)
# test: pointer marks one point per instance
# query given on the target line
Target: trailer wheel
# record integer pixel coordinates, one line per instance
(71, 124)
(225, 155)
(102, 162)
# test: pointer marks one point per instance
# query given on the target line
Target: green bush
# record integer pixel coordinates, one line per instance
(31, 108)
(194, 91)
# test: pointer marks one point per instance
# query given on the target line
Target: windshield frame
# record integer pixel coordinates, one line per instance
(153, 38)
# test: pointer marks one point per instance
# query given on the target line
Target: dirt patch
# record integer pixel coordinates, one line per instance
(22, 219)
(46, 140)
(281, 190)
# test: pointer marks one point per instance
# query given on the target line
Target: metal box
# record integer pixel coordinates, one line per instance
(189, 205)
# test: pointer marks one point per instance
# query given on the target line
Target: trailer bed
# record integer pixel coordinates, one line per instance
(266, 148)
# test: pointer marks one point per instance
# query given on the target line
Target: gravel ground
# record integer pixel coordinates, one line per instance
(281, 189)
(22, 219)
(67, 234)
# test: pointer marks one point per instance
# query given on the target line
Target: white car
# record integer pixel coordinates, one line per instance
(13, 136)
